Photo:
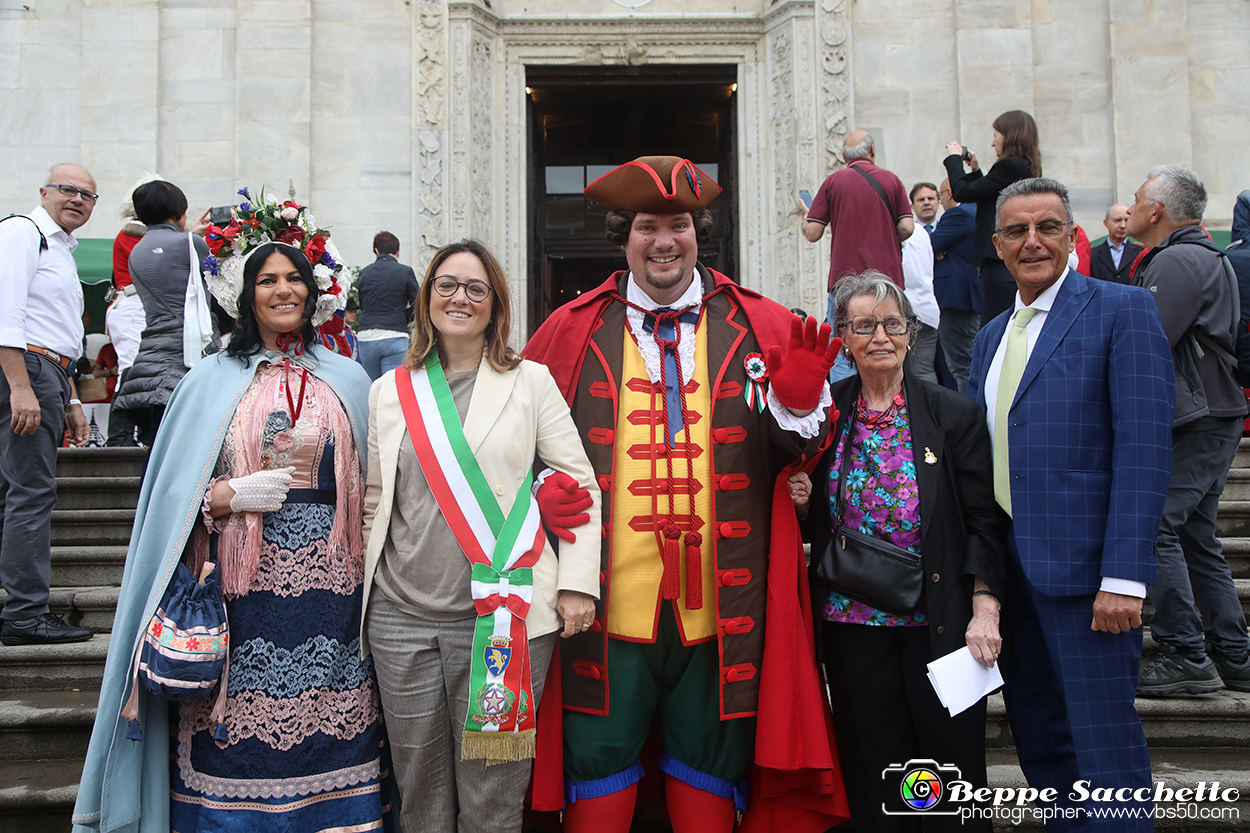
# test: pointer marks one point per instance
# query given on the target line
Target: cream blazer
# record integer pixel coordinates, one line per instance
(513, 417)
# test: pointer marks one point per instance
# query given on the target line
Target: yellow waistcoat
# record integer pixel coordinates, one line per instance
(644, 496)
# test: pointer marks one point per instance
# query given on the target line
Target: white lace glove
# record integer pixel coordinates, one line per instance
(261, 491)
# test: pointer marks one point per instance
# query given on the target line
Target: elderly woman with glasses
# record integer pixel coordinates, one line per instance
(908, 468)
(464, 593)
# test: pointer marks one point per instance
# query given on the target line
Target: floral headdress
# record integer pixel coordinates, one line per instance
(269, 221)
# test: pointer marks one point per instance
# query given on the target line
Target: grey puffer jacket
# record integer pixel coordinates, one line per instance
(160, 264)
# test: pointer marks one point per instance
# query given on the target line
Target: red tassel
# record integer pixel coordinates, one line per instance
(694, 571)
(670, 583)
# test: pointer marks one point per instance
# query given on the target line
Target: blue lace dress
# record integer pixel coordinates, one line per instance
(305, 748)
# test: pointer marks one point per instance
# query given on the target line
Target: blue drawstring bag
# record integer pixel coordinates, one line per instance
(182, 655)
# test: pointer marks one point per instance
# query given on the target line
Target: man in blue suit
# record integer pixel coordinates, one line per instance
(1078, 388)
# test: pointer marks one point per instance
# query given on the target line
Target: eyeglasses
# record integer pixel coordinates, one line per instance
(71, 192)
(1018, 231)
(866, 325)
(475, 291)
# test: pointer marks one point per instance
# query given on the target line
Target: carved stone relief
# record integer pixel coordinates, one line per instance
(481, 128)
(430, 128)
(781, 104)
(835, 103)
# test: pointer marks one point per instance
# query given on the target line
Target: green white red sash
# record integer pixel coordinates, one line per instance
(502, 550)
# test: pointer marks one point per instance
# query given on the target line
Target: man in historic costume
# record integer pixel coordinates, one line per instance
(690, 412)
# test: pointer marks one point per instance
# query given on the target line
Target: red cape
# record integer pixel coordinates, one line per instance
(796, 778)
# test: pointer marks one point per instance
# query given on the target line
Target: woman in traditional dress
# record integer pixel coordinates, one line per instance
(463, 605)
(257, 467)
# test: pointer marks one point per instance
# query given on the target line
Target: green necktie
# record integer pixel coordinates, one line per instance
(1008, 380)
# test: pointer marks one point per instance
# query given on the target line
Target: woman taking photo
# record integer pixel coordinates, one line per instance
(910, 466)
(256, 468)
(462, 609)
(1015, 142)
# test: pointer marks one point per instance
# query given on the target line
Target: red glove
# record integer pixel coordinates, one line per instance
(562, 504)
(798, 378)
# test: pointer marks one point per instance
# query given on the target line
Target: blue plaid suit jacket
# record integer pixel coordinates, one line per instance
(1090, 436)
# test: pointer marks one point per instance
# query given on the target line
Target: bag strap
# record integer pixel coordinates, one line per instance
(43, 241)
(135, 277)
(1229, 272)
(876, 186)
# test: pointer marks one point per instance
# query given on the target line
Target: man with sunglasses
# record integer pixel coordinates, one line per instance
(41, 332)
(1077, 385)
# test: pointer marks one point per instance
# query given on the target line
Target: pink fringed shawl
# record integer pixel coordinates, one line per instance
(240, 540)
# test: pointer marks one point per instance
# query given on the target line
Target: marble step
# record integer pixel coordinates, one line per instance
(1237, 553)
(1176, 768)
(46, 725)
(92, 527)
(39, 795)
(88, 566)
(1219, 720)
(74, 493)
(99, 462)
(90, 607)
(54, 667)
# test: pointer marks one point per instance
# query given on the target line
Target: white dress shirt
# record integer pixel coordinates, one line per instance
(918, 276)
(41, 300)
(806, 426)
(1043, 304)
(1117, 252)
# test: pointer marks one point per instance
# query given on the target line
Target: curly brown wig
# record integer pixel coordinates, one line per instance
(620, 222)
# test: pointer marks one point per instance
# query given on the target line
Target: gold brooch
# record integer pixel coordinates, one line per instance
(929, 456)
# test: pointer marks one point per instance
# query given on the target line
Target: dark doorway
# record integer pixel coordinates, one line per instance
(586, 121)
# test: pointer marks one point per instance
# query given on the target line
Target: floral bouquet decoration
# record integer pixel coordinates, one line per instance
(264, 220)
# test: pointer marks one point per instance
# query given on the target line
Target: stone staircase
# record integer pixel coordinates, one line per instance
(48, 694)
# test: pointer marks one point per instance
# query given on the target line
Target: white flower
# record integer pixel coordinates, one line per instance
(289, 213)
(324, 276)
(271, 199)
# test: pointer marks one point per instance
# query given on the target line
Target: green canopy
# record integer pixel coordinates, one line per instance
(94, 257)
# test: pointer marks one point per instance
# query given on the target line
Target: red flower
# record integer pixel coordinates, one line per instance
(315, 248)
(231, 231)
(291, 235)
(215, 239)
(289, 204)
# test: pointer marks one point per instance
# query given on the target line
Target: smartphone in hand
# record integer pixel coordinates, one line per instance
(806, 196)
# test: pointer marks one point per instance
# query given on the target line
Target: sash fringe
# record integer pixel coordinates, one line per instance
(498, 747)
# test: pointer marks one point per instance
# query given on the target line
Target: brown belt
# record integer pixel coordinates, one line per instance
(56, 357)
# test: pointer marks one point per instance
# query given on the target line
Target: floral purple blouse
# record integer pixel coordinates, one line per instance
(882, 500)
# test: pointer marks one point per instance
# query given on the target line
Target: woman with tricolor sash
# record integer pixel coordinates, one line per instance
(464, 593)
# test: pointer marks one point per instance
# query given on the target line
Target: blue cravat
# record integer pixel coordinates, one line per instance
(663, 328)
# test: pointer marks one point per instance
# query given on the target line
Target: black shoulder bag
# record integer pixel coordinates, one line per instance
(865, 568)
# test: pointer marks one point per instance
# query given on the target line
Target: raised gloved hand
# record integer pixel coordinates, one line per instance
(261, 491)
(562, 503)
(798, 377)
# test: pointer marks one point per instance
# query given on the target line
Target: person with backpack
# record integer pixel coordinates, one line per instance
(1200, 308)
(41, 305)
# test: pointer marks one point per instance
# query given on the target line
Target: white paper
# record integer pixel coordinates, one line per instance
(960, 680)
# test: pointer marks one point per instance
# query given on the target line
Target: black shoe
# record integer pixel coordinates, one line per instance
(1236, 676)
(1170, 674)
(48, 629)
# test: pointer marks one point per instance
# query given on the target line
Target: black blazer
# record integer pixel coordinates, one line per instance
(983, 189)
(962, 529)
(1102, 266)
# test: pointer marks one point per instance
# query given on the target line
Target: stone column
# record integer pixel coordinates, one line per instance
(362, 112)
(273, 93)
(994, 50)
(119, 109)
(429, 130)
(1151, 86)
(197, 108)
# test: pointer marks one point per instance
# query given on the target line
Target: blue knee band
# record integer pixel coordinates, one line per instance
(737, 790)
(600, 787)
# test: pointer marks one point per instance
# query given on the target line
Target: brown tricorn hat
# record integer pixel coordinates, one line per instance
(654, 185)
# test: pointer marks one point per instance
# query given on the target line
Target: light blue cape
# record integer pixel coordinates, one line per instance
(125, 783)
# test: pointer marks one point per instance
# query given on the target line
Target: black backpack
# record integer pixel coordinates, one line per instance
(1237, 267)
